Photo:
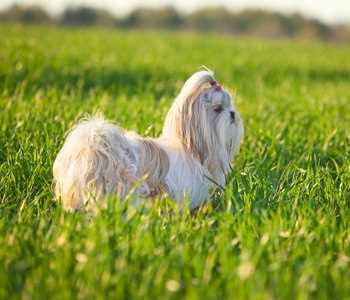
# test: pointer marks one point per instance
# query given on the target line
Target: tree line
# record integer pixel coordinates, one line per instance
(249, 22)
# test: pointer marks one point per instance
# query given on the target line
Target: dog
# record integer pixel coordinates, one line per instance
(201, 134)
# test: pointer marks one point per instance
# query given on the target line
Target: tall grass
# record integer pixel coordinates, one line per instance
(279, 231)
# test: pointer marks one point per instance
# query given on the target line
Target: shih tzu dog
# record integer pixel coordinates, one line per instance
(202, 132)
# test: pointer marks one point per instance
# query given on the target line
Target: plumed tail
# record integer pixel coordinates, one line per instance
(94, 162)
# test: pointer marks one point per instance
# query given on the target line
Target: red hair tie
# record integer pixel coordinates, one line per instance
(215, 85)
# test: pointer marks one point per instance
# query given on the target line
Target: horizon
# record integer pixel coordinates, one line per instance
(336, 12)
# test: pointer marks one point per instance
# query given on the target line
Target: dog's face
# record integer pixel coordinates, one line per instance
(225, 126)
(204, 120)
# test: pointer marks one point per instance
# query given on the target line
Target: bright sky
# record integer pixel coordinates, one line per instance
(332, 11)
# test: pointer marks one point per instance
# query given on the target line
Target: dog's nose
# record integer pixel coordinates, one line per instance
(232, 113)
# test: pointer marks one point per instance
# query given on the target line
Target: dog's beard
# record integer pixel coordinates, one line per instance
(229, 134)
(224, 136)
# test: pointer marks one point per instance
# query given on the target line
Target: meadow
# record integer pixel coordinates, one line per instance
(280, 230)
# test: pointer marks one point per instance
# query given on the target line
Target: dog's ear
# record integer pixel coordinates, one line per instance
(190, 127)
(186, 121)
(182, 124)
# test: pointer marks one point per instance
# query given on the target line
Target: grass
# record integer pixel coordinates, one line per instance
(282, 227)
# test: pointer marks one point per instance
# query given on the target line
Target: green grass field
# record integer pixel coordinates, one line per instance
(281, 229)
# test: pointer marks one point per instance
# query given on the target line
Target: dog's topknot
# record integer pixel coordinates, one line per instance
(196, 80)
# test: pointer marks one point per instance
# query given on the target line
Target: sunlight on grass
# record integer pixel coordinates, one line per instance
(279, 230)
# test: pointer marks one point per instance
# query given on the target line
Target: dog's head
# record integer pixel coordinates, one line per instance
(204, 120)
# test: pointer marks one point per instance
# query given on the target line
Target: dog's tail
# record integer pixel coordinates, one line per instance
(93, 162)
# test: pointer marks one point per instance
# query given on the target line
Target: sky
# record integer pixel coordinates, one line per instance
(329, 11)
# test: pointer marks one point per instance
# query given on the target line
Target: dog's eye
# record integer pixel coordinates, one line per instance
(218, 109)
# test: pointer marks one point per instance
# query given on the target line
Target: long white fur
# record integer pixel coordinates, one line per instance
(195, 149)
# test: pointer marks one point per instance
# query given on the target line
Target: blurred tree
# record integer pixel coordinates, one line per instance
(166, 17)
(212, 19)
(296, 25)
(340, 33)
(26, 14)
(249, 22)
(86, 16)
